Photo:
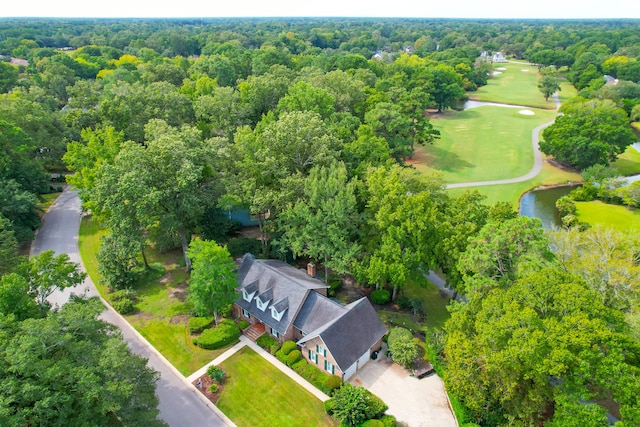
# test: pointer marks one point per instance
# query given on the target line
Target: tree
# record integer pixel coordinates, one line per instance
(548, 85)
(323, 224)
(304, 97)
(500, 250)
(590, 132)
(403, 348)
(15, 298)
(213, 281)
(545, 342)
(388, 122)
(354, 405)
(220, 113)
(70, 367)
(45, 273)
(8, 76)
(8, 248)
(161, 185)
(116, 257)
(446, 86)
(463, 219)
(402, 214)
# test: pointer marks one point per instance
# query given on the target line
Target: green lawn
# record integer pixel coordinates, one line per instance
(514, 86)
(619, 217)
(628, 162)
(258, 394)
(511, 192)
(161, 314)
(486, 143)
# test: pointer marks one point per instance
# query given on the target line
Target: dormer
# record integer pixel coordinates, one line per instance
(278, 309)
(263, 299)
(249, 291)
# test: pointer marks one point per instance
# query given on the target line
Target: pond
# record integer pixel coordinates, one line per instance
(542, 204)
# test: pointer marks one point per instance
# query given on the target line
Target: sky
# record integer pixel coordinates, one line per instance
(498, 9)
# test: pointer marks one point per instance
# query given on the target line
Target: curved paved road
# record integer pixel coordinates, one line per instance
(180, 404)
(537, 159)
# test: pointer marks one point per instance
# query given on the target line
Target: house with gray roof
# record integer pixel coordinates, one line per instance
(291, 304)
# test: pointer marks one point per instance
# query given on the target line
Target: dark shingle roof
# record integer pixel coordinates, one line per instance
(350, 335)
(277, 282)
(316, 312)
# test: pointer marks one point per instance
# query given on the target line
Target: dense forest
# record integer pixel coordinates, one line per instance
(166, 126)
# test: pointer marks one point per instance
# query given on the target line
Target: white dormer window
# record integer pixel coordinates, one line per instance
(246, 295)
(261, 305)
(276, 314)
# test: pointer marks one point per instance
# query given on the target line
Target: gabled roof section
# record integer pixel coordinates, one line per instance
(316, 312)
(353, 333)
(279, 283)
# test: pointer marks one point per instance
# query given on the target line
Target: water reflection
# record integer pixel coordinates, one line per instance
(542, 204)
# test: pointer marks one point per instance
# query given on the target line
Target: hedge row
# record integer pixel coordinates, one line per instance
(320, 379)
(199, 324)
(268, 343)
(224, 334)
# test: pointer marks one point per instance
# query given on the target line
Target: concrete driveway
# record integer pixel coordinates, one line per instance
(413, 402)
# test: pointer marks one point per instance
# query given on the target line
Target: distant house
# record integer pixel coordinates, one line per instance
(498, 57)
(610, 80)
(377, 56)
(408, 49)
(291, 304)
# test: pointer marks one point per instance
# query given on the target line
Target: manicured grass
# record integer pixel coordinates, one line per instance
(628, 162)
(486, 143)
(619, 217)
(258, 394)
(161, 313)
(514, 86)
(435, 305)
(511, 192)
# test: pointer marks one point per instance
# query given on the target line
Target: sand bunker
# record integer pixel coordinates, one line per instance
(525, 71)
(501, 69)
(526, 112)
(495, 73)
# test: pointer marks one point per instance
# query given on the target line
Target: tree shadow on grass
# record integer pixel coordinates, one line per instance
(443, 160)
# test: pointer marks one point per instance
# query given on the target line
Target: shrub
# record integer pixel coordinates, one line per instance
(216, 374)
(281, 356)
(372, 423)
(334, 284)
(293, 357)
(380, 297)
(123, 294)
(225, 333)
(266, 341)
(243, 324)
(329, 405)
(355, 405)
(288, 347)
(388, 421)
(213, 388)
(299, 366)
(402, 347)
(274, 347)
(199, 324)
(403, 302)
(123, 306)
(332, 382)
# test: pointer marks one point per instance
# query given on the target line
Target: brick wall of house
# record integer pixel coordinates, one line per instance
(311, 345)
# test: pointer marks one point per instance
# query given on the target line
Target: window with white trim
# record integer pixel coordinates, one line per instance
(313, 356)
(274, 333)
(276, 314)
(261, 305)
(246, 295)
(321, 350)
(245, 313)
(328, 366)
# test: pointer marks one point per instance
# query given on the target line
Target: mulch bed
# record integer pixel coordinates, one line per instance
(206, 383)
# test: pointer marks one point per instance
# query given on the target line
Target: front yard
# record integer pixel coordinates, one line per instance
(256, 393)
(161, 313)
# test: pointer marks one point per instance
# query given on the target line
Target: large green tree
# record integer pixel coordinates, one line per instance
(213, 281)
(542, 350)
(70, 368)
(588, 133)
(323, 223)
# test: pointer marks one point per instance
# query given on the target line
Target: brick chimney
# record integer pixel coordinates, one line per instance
(311, 269)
